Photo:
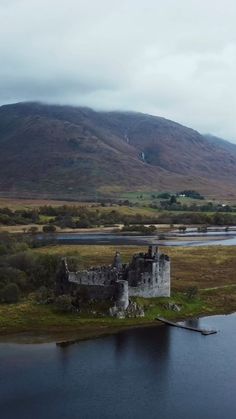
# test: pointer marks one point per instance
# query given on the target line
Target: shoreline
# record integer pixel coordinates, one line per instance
(67, 337)
(203, 284)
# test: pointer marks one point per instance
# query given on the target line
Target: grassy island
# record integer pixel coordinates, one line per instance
(203, 283)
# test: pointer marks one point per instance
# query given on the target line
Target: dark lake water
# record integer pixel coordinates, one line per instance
(158, 372)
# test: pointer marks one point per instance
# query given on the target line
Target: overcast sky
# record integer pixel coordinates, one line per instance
(174, 58)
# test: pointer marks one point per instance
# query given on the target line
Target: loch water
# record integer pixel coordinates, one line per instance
(153, 372)
(188, 239)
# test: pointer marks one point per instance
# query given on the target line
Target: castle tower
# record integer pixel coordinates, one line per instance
(151, 251)
(117, 263)
(122, 300)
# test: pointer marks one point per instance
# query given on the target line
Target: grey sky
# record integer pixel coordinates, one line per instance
(174, 58)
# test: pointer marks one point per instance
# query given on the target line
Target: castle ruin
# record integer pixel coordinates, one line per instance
(147, 275)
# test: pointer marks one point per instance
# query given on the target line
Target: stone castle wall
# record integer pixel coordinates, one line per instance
(153, 284)
(99, 283)
(148, 275)
(98, 276)
(98, 292)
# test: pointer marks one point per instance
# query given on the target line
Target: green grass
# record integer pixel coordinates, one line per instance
(28, 316)
(155, 307)
(44, 219)
(148, 197)
(210, 269)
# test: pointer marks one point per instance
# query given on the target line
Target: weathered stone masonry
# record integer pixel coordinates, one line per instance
(147, 275)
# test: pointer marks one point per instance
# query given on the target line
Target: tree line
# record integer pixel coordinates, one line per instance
(24, 271)
(73, 217)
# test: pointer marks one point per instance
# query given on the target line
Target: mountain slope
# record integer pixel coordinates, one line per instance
(69, 152)
(221, 143)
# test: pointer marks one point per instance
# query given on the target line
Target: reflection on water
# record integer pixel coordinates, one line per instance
(156, 372)
(146, 343)
(192, 323)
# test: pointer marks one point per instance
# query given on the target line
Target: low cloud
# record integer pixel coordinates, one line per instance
(169, 58)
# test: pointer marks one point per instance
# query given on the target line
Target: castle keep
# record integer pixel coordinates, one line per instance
(147, 275)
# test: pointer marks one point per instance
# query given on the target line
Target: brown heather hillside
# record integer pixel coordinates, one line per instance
(68, 152)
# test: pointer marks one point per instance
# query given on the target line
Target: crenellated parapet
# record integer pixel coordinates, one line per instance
(149, 274)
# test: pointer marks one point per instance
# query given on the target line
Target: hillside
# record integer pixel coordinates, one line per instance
(71, 152)
(221, 143)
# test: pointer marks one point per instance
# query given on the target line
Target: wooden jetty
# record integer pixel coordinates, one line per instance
(182, 326)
